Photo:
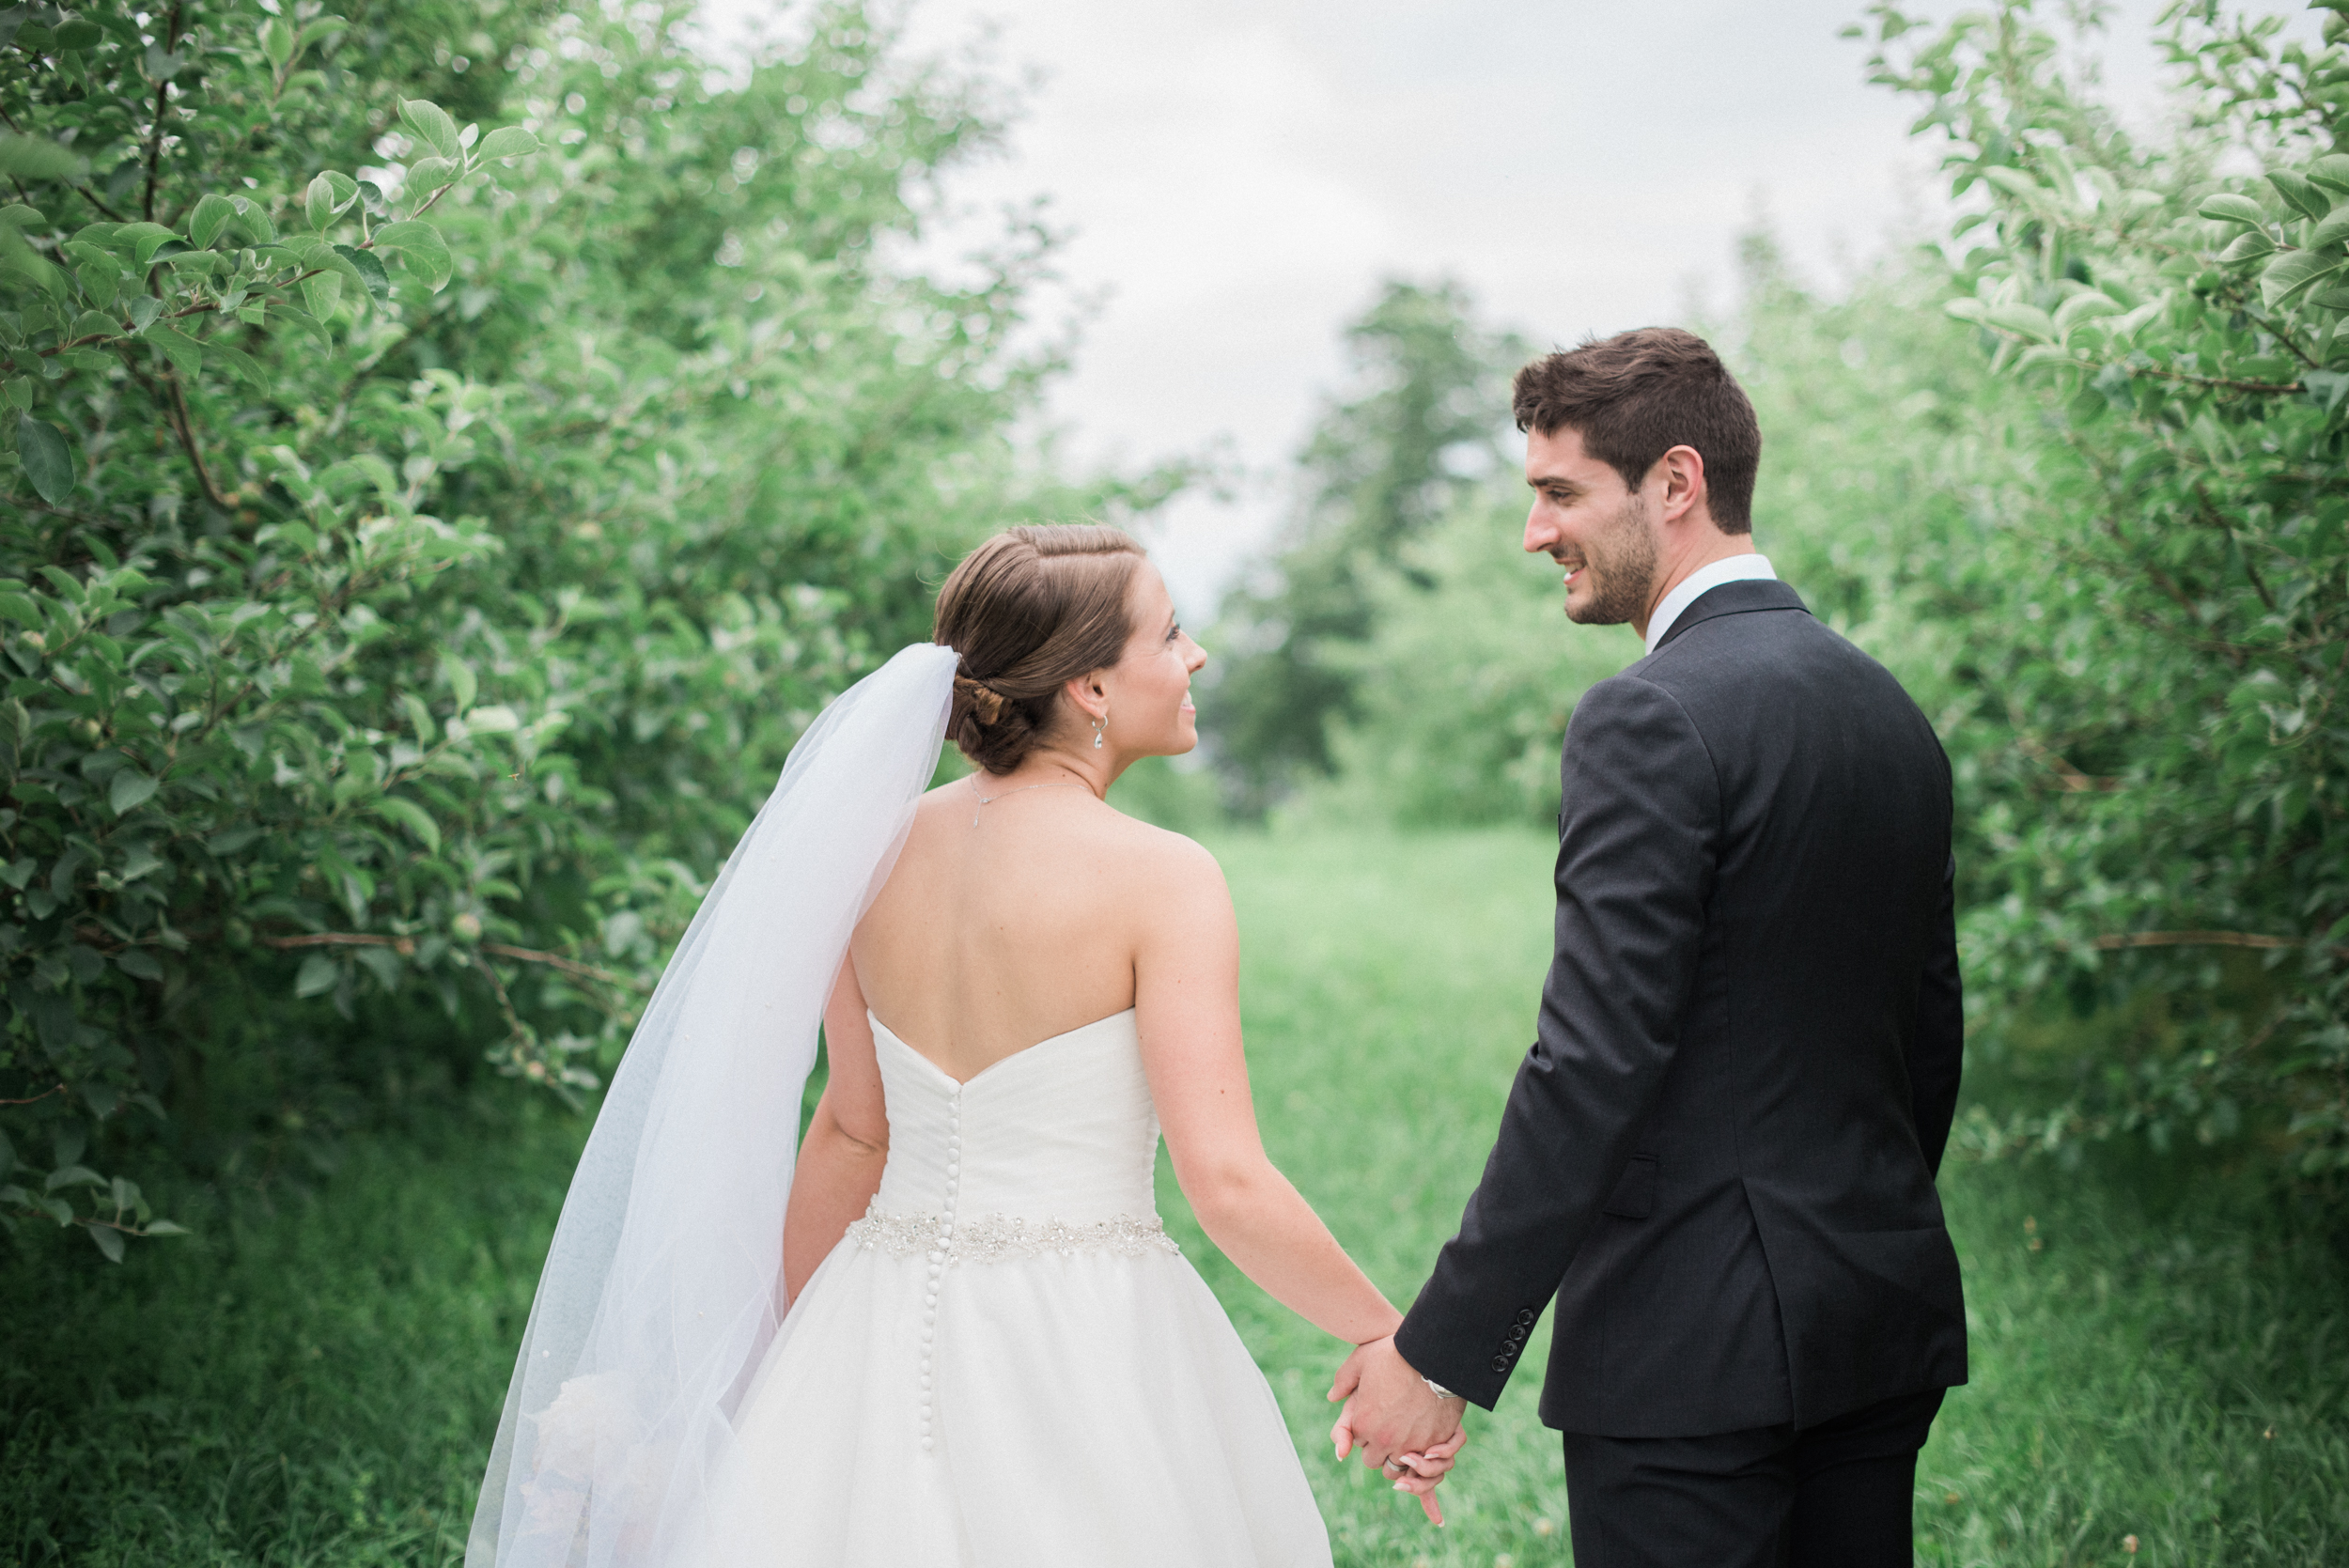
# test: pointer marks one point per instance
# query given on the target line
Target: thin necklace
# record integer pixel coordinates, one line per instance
(990, 799)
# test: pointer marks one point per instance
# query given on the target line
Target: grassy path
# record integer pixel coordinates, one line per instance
(312, 1379)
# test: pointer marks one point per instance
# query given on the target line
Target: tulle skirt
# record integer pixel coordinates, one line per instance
(1081, 1410)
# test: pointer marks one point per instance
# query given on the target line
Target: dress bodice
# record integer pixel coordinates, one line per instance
(1050, 1148)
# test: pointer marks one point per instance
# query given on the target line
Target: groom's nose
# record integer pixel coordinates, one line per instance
(1540, 533)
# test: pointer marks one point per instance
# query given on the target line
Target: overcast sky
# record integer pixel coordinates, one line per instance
(1239, 176)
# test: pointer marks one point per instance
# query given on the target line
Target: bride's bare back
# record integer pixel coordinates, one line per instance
(1008, 922)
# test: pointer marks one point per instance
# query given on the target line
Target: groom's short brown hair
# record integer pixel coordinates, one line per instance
(1636, 395)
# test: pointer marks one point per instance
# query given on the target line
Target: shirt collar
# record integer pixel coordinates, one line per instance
(1729, 569)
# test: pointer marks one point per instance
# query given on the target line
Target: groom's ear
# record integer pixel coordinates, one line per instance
(1682, 470)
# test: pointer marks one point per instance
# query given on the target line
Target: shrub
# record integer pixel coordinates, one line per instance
(423, 539)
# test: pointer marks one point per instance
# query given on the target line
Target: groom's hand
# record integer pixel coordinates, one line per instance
(1389, 1409)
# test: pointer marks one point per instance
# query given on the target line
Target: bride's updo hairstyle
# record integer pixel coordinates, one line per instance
(1029, 611)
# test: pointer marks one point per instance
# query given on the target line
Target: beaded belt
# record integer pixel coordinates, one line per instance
(1003, 1238)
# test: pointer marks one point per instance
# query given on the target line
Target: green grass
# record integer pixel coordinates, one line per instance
(313, 1377)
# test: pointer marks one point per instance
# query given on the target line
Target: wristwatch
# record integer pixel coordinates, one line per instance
(1441, 1391)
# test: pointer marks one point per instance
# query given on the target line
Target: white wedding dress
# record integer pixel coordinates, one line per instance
(1007, 1363)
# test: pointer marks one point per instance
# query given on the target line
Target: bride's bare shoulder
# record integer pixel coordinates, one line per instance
(1162, 859)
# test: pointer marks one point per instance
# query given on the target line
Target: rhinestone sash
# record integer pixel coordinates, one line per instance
(1005, 1238)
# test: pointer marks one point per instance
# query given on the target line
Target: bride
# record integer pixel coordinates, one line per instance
(957, 1335)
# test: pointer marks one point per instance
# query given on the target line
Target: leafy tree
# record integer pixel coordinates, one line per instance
(2158, 624)
(451, 451)
(1380, 470)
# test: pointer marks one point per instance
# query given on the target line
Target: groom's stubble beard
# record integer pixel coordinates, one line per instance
(1622, 564)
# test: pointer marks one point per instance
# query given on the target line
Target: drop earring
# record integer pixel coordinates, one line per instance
(1099, 725)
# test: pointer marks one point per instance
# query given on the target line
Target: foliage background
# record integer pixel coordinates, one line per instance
(2074, 474)
(418, 561)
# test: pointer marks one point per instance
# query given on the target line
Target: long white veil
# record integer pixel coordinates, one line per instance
(659, 1293)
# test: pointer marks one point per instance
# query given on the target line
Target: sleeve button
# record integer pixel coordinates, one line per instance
(1501, 1363)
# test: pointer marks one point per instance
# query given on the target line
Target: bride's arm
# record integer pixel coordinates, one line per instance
(1187, 1007)
(848, 1140)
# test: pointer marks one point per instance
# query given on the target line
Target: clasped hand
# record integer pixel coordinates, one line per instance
(1398, 1424)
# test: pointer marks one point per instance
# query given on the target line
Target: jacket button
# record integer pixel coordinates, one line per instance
(1526, 1316)
(1501, 1363)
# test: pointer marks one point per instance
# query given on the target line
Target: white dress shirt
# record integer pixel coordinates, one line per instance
(1729, 569)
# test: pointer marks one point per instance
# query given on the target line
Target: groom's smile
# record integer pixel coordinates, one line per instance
(1586, 518)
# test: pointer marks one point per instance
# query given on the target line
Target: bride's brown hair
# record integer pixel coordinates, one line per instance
(1030, 610)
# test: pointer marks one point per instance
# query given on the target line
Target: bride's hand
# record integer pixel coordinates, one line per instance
(1425, 1471)
(1421, 1473)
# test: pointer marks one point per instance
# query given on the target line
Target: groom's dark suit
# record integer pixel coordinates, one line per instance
(1719, 1153)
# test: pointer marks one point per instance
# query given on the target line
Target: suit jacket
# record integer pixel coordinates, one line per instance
(1719, 1153)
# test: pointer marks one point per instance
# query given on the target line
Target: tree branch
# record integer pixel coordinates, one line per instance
(406, 947)
(163, 106)
(2123, 939)
(175, 405)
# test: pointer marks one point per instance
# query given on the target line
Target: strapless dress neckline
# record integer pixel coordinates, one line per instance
(882, 1032)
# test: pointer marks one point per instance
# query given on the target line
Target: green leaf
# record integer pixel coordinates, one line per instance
(2229, 208)
(431, 124)
(2029, 320)
(460, 682)
(2248, 246)
(78, 34)
(185, 353)
(72, 1175)
(371, 271)
(510, 141)
(2331, 170)
(412, 817)
(17, 257)
(421, 246)
(277, 41)
(129, 790)
(2293, 271)
(140, 963)
(318, 976)
(109, 1241)
(252, 219)
(20, 393)
(210, 216)
(236, 359)
(318, 202)
(2298, 192)
(427, 174)
(48, 459)
(2084, 307)
(2014, 182)
(164, 1227)
(38, 158)
(321, 294)
(145, 240)
(2332, 231)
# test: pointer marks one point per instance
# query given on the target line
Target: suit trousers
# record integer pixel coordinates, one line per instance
(1838, 1494)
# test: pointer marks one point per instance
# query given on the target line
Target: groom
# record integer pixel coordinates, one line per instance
(1719, 1155)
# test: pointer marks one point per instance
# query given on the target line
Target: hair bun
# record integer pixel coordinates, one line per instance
(988, 702)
